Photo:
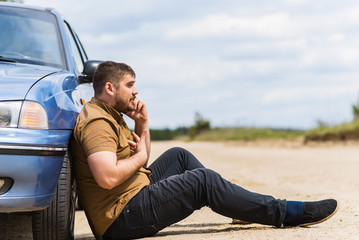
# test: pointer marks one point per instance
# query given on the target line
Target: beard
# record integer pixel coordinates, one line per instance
(124, 106)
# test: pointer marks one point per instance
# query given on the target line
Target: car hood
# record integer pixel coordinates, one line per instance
(16, 79)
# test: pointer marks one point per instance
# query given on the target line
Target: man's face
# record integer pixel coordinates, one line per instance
(125, 96)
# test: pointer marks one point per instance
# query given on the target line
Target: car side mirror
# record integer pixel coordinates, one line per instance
(89, 70)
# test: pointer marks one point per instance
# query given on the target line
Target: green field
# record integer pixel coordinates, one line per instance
(342, 132)
(246, 134)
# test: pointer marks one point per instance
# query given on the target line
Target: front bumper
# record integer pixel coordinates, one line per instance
(33, 160)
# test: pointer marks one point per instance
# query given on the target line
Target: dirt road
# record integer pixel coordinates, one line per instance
(284, 170)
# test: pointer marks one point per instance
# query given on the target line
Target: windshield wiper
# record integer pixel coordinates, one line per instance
(3, 59)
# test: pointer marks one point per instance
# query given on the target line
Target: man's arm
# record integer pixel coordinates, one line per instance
(109, 172)
(140, 116)
(139, 128)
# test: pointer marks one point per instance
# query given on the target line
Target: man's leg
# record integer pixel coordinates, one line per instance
(171, 198)
(172, 162)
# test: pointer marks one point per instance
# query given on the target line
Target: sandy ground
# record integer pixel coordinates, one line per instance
(285, 170)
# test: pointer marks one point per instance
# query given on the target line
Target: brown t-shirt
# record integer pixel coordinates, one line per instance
(99, 127)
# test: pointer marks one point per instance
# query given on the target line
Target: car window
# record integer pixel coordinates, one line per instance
(83, 53)
(30, 36)
(79, 62)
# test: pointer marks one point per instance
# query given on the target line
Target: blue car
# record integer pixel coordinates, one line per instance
(45, 78)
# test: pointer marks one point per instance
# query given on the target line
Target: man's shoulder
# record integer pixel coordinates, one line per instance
(91, 113)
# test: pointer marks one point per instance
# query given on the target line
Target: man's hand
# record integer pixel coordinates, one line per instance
(134, 145)
(139, 145)
(139, 114)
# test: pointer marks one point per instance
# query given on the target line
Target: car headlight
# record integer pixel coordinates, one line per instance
(9, 113)
(23, 114)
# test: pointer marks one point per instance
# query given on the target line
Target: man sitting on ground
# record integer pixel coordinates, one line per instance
(124, 199)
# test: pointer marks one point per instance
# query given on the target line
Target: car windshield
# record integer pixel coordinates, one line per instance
(30, 36)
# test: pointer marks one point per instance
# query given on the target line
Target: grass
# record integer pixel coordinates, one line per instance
(341, 132)
(246, 134)
(348, 126)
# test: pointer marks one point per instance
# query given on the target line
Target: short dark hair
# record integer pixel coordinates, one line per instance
(112, 72)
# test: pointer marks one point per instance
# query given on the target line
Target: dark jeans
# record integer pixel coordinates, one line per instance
(180, 184)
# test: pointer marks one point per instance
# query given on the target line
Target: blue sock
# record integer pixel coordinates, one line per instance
(294, 211)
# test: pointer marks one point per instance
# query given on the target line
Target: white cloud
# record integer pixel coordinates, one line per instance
(105, 38)
(295, 2)
(350, 15)
(223, 25)
(297, 94)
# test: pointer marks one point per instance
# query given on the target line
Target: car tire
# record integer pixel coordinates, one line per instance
(56, 222)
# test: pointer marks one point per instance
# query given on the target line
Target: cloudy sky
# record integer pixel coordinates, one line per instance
(279, 63)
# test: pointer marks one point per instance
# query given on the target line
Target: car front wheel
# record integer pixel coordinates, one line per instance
(56, 222)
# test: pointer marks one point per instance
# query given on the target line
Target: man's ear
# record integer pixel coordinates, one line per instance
(109, 88)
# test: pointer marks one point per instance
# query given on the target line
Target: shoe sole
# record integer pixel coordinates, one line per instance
(240, 222)
(322, 220)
